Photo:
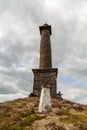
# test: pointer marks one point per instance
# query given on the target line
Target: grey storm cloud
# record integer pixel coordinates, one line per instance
(20, 43)
(6, 89)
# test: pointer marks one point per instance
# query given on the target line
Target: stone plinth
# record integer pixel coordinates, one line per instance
(44, 77)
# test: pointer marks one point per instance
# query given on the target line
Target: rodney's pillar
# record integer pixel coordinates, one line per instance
(45, 75)
(45, 47)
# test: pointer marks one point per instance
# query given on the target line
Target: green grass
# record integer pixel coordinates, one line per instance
(63, 112)
(20, 121)
(30, 117)
(75, 119)
(34, 117)
(27, 113)
(82, 126)
(85, 111)
(80, 121)
(61, 128)
(15, 127)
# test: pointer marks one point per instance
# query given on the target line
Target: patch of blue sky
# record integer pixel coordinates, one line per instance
(84, 83)
(63, 78)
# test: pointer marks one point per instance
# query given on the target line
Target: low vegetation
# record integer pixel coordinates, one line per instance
(20, 121)
(22, 114)
(76, 119)
(63, 112)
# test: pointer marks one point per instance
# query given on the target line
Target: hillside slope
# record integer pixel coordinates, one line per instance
(22, 114)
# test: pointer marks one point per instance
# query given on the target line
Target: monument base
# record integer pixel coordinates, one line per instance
(44, 77)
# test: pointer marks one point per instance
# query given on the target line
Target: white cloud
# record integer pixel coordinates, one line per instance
(7, 97)
(20, 42)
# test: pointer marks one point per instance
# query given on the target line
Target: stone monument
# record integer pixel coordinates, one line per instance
(45, 75)
(45, 100)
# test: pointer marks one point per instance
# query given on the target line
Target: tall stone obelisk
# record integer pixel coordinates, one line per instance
(45, 47)
(45, 75)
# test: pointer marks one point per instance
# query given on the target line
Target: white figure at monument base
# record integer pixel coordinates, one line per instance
(45, 100)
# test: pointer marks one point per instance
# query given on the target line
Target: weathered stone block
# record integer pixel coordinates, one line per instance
(44, 77)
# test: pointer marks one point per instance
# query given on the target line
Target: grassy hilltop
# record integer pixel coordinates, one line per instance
(22, 114)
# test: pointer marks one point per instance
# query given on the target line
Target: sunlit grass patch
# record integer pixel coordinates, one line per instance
(82, 126)
(63, 112)
(75, 119)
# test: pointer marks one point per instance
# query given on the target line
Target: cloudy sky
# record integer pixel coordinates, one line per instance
(20, 42)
